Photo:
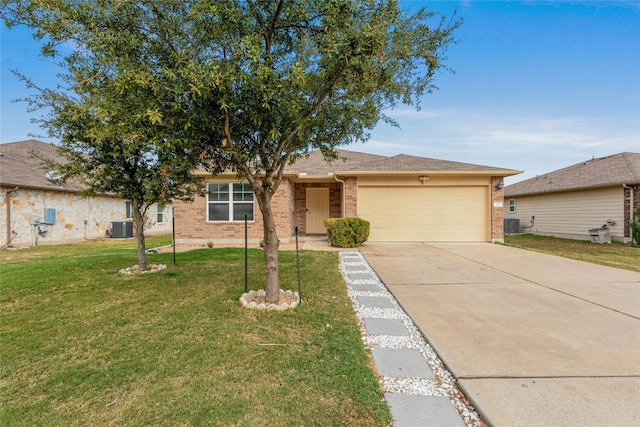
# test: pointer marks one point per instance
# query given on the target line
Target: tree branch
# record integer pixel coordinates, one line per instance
(272, 26)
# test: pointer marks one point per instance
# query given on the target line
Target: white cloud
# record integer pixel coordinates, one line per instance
(408, 113)
(533, 143)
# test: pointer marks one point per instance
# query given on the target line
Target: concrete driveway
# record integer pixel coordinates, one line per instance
(533, 339)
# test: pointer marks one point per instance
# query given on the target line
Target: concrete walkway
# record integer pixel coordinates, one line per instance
(532, 339)
(416, 385)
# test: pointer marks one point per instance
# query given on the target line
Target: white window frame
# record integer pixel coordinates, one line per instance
(234, 191)
(128, 209)
(160, 213)
(512, 205)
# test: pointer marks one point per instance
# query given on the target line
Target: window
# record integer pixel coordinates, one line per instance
(512, 205)
(160, 216)
(229, 202)
(128, 209)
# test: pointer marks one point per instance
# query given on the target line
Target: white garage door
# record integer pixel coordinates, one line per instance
(425, 214)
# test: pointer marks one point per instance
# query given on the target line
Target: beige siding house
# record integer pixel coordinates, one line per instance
(571, 201)
(30, 194)
(405, 198)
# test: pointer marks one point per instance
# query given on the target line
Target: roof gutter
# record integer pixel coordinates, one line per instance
(206, 174)
(497, 172)
(304, 175)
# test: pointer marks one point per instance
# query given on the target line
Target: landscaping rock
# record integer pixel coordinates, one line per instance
(256, 299)
(151, 268)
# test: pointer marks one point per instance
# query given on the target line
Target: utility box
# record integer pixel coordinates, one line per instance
(121, 229)
(600, 235)
(511, 225)
(35, 219)
(50, 216)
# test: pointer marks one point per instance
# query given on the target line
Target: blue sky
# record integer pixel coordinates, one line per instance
(537, 86)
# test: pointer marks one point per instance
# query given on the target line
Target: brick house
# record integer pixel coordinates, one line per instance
(570, 201)
(405, 198)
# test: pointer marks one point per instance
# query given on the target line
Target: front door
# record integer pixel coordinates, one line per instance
(317, 209)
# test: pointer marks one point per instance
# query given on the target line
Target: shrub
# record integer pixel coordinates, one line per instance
(635, 227)
(346, 232)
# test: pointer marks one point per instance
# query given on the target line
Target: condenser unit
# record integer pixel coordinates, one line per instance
(121, 229)
(511, 225)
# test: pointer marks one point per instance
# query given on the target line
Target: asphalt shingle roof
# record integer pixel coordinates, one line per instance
(351, 161)
(405, 163)
(617, 169)
(314, 164)
(21, 165)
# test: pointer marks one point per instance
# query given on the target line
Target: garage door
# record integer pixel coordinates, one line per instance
(425, 214)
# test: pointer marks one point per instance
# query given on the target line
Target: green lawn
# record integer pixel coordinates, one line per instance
(81, 344)
(613, 254)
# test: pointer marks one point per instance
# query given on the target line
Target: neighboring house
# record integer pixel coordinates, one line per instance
(571, 201)
(405, 198)
(29, 193)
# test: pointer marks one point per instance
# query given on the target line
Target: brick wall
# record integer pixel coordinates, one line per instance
(497, 213)
(636, 199)
(351, 198)
(629, 210)
(191, 219)
(283, 209)
(335, 202)
(300, 202)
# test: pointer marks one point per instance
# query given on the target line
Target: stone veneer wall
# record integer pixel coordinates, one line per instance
(192, 224)
(72, 209)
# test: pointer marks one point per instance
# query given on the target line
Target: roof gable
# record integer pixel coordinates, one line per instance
(617, 169)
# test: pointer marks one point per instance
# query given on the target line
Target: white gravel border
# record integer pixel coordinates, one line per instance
(444, 383)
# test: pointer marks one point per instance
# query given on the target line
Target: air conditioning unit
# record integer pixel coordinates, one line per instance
(511, 225)
(121, 229)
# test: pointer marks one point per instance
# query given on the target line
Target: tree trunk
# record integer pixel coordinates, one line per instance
(271, 247)
(138, 222)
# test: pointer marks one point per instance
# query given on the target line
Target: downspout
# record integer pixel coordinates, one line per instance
(8, 201)
(344, 193)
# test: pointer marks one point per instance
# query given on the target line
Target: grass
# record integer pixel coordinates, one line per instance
(80, 344)
(614, 254)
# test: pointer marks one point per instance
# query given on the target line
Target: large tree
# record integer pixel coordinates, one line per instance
(115, 110)
(252, 85)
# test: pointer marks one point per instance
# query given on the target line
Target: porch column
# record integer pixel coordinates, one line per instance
(497, 210)
(351, 197)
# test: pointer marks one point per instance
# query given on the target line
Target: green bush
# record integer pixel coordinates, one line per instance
(346, 232)
(635, 227)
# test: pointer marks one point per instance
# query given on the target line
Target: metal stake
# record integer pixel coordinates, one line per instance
(173, 231)
(246, 257)
(298, 267)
